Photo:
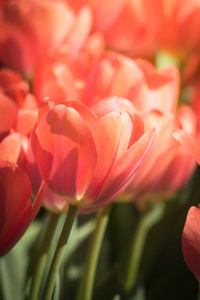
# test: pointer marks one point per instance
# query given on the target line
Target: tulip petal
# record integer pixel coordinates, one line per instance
(159, 155)
(8, 113)
(54, 203)
(15, 191)
(125, 167)
(107, 134)
(113, 103)
(65, 152)
(190, 144)
(10, 147)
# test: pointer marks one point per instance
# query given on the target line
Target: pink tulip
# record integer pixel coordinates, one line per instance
(86, 160)
(183, 165)
(167, 166)
(160, 154)
(18, 108)
(62, 74)
(30, 29)
(177, 20)
(17, 211)
(191, 241)
(18, 115)
(133, 30)
(136, 80)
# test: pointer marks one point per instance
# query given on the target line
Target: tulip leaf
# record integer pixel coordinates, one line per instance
(14, 264)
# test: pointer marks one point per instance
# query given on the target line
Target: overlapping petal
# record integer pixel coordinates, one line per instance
(64, 149)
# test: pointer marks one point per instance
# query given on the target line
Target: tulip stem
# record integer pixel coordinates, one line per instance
(43, 254)
(55, 265)
(135, 253)
(146, 221)
(87, 283)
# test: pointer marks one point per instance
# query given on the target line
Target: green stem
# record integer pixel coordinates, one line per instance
(41, 262)
(146, 221)
(87, 283)
(135, 254)
(55, 265)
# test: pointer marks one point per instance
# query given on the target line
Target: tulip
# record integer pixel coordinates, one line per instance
(17, 211)
(190, 235)
(87, 160)
(137, 80)
(133, 30)
(18, 115)
(160, 154)
(191, 241)
(167, 166)
(183, 165)
(18, 108)
(62, 74)
(35, 27)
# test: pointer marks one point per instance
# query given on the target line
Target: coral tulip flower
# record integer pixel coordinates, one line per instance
(16, 209)
(137, 80)
(87, 160)
(191, 241)
(29, 29)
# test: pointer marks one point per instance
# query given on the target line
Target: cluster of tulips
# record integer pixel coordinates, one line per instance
(99, 107)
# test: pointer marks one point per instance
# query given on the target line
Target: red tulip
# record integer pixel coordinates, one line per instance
(191, 241)
(86, 160)
(16, 209)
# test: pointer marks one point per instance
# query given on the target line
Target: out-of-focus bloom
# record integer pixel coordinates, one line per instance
(137, 80)
(18, 115)
(181, 165)
(143, 28)
(87, 160)
(178, 19)
(104, 13)
(62, 74)
(16, 209)
(160, 154)
(167, 166)
(133, 30)
(111, 75)
(29, 29)
(191, 241)
(191, 233)
(18, 106)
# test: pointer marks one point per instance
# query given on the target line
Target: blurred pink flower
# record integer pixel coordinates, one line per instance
(62, 74)
(137, 80)
(18, 115)
(30, 29)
